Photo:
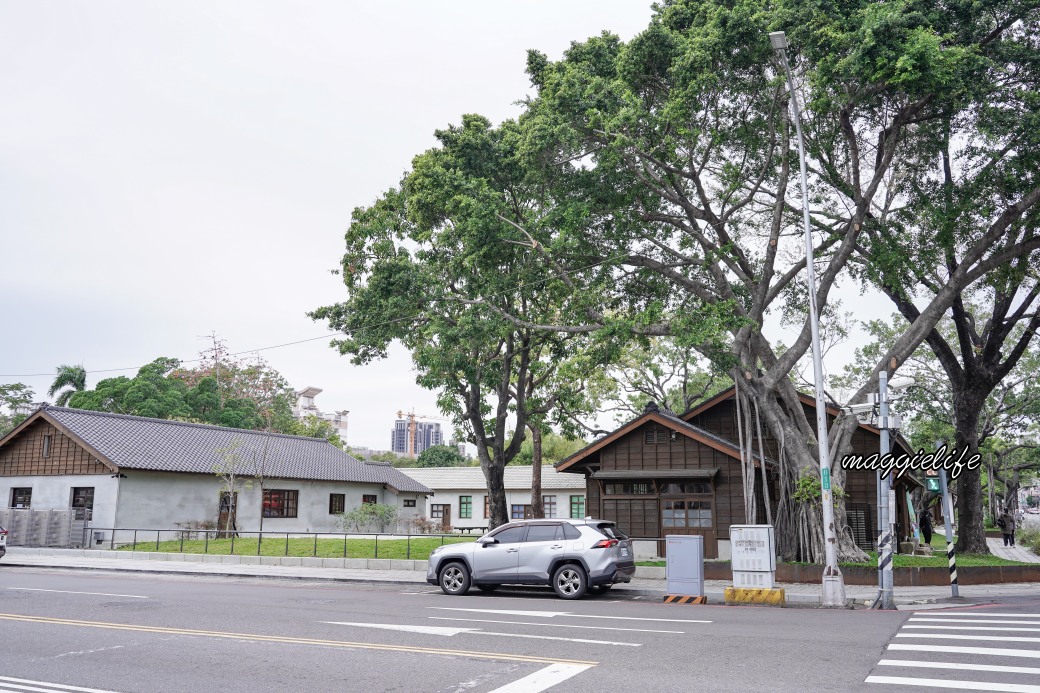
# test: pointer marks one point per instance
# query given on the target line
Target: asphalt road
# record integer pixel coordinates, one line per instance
(130, 633)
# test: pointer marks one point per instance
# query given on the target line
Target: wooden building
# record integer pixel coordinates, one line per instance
(663, 473)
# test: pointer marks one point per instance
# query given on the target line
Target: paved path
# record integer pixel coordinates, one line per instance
(1012, 553)
(798, 594)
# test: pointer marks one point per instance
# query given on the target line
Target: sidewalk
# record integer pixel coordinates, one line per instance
(412, 574)
(1011, 553)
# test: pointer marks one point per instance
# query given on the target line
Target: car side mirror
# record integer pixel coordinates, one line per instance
(488, 540)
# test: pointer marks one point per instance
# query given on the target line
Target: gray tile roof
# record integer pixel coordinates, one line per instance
(516, 478)
(134, 442)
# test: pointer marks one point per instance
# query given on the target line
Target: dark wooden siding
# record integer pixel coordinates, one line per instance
(23, 456)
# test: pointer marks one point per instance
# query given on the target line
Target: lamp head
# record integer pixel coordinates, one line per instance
(778, 40)
(900, 383)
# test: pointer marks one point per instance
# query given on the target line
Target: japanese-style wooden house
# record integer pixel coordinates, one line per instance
(663, 473)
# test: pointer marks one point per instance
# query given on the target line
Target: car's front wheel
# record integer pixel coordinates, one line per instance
(454, 579)
(570, 581)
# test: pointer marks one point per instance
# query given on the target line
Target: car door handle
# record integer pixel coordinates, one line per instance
(556, 546)
(512, 550)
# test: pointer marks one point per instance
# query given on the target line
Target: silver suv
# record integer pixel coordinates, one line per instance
(574, 556)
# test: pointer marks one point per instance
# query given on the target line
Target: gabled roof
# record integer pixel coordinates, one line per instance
(667, 419)
(134, 442)
(805, 399)
(517, 478)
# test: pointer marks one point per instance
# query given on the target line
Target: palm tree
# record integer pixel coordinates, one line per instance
(72, 377)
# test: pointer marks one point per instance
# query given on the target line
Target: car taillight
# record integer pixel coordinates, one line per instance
(605, 544)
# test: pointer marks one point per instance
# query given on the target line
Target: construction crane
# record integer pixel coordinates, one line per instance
(412, 416)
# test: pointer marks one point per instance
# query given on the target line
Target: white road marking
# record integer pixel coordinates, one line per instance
(8, 681)
(979, 613)
(543, 678)
(945, 636)
(97, 594)
(959, 685)
(997, 651)
(973, 620)
(553, 625)
(959, 665)
(1002, 629)
(428, 630)
(437, 630)
(554, 614)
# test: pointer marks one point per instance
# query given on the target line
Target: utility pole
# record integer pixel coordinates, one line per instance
(885, 539)
(951, 553)
(833, 581)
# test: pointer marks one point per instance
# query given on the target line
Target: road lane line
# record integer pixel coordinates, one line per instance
(543, 679)
(980, 613)
(294, 641)
(98, 594)
(973, 620)
(434, 630)
(959, 665)
(7, 679)
(959, 685)
(1002, 629)
(953, 649)
(946, 636)
(554, 614)
(554, 625)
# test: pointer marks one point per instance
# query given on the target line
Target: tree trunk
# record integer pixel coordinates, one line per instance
(537, 509)
(971, 535)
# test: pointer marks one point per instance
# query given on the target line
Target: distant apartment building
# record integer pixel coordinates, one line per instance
(427, 434)
(305, 407)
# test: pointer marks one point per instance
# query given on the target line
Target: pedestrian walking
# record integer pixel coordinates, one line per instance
(1006, 522)
(926, 527)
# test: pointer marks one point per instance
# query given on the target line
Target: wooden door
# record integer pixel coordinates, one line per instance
(442, 512)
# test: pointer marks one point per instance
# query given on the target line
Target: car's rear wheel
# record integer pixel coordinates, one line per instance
(454, 579)
(487, 588)
(596, 590)
(570, 581)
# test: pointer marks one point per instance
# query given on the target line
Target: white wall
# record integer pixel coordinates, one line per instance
(162, 499)
(513, 497)
(55, 493)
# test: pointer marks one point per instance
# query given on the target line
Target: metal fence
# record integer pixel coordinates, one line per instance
(303, 544)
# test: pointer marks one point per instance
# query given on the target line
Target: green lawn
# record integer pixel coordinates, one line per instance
(416, 548)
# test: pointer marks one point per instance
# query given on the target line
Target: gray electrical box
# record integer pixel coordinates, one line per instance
(684, 565)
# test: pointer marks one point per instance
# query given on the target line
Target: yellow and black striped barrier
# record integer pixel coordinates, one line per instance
(684, 599)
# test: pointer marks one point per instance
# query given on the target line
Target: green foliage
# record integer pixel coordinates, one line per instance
(554, 448)
(69, 380)
(440, 456)
(417, 548)
(12, 397)
(368, 516)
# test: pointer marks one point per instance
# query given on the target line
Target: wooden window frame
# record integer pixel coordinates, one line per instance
(337, 503)
(524, 512)
(577, 502)
(19, 493)
(409, 502)
(280, 503)
(465, 507)
(369, 499)
(549, 506)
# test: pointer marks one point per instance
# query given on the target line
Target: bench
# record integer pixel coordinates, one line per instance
(467, 530)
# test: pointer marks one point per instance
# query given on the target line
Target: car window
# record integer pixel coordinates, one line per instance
(571, 532)
(510, 535)
(542, 532)
(608, 529)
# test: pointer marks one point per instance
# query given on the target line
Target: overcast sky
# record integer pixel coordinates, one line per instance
(172, 169)
(168, 170)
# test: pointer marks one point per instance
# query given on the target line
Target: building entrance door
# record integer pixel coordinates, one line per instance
(441, 513)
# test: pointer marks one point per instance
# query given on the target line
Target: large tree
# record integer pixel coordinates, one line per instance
(14, 398)
(679, 145)
(421, 263)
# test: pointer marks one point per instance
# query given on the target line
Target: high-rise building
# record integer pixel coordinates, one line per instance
(427, 434)
(305, 407)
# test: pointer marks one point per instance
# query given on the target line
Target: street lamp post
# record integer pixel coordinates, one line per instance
(833, 582)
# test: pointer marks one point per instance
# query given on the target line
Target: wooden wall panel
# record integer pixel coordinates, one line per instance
(24, 456)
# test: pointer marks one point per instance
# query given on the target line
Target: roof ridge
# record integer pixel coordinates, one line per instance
(175, 422)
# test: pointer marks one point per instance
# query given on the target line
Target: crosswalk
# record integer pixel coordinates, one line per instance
(971, 649)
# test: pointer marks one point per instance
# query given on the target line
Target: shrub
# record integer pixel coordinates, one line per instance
(424, 525)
